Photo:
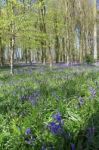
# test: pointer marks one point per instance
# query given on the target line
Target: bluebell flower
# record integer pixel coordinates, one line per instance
(22, 98)
(55, 128)
(28, 131)
(91, 131)
(81, 101)
(92, 92)
(29, 137)
(30, 140)
(57, 117)
(72, 146)
(43, 147)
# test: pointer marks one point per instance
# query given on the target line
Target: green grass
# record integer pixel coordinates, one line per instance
(31, 97)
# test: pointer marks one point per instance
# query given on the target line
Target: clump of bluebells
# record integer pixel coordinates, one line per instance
(56, 126)
(92, 92)
(29, 137)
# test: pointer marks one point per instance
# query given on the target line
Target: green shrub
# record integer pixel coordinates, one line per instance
(89, 59)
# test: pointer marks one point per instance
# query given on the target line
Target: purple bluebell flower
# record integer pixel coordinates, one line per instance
(29, 138)
(92, 92)
(72, 146)
(57, 117)
(54, 128)
(81, 101)
(28, 131)
(43, 147)
(91, 131)
(28, 141)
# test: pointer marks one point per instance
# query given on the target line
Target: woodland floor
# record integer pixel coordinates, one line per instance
(43, 107)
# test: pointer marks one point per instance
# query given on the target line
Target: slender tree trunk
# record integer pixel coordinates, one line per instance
(31, 56)
(57, 48)
(95, 32)
(12, 44)
(42, 14)
(63, 49)
(50, 57)
(95, 41)
(1, 53)
(43, 52)
(26, 57)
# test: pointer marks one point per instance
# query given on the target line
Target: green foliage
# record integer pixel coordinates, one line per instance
(41, 25)
(89, 59)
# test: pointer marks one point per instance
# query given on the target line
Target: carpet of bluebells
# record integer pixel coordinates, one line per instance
(49, 109)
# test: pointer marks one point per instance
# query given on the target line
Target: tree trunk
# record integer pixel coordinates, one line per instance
(26, 57)
(57, 48)
(50, 57)
(95, 32)
(63, 49)
(12, 44)
(95, 41)
(42, 14)
(1, 53)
